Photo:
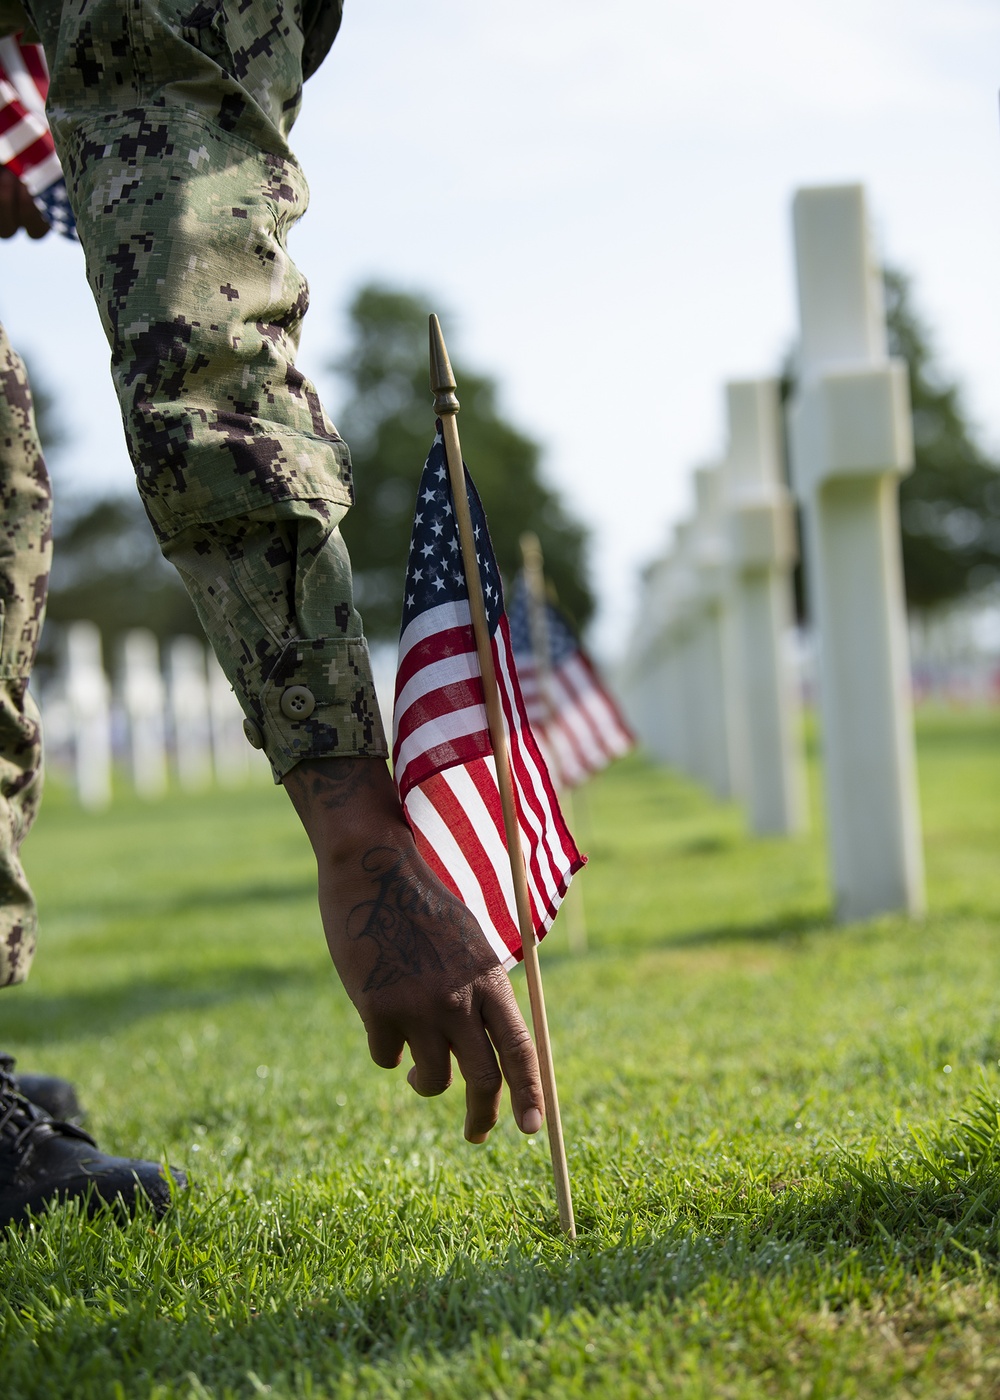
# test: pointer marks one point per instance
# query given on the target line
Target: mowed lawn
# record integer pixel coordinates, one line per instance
(784, 1137)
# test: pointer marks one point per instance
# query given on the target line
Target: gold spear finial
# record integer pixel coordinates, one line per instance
(443, 383)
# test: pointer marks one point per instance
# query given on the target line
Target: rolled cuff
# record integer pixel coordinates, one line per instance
(319, 702)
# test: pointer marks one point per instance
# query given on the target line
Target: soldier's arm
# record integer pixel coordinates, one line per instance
(245, 481)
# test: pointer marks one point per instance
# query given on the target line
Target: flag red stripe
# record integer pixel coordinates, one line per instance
(26, 145)
(432, 858)
(417, 652)
(445, 756)
(611, 733)
(29, 156)
(465, 832)
(10, 115)
(565, 719)
(34, 61)
(540, 807)
(486, 786)
(530, 801)
(444, 700)
(580, 723)
(479, 870)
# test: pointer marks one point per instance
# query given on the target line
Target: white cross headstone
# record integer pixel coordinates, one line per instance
(718, 698)
(635, 681)
(672, 603)
(851, 439)
(665, 705)
(144, 698)
(88, 696)
(763, 551)
(648, 668)
(695, 731)
(230, 750)
(189, 717)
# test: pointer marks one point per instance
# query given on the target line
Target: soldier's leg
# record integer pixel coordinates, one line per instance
(41, 1159)
(25, 556)
(171, 119)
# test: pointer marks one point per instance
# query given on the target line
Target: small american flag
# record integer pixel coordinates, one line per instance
(26, 145)
(442, 756)
(577, 723)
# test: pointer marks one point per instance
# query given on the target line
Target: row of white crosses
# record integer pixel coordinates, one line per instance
(185, 720)
(709, 673)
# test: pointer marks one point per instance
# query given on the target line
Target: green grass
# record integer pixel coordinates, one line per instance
(784, 1137)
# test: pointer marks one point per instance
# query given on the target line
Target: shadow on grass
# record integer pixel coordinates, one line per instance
(779, 928)
(787, 928)
(170, 904)
(47, 1017)
(842, 1245)
(957, 730)
(876, 1230)
(878, 1224)
(833, 1251)
(711, 844)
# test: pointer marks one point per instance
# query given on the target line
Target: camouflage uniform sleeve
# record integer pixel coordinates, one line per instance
(170, 118)
(320, 23)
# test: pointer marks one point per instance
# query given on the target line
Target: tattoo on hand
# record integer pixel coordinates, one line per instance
(399, 918)
(328, 782)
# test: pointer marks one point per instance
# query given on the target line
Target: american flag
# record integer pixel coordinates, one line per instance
(26, 145)
(442, 756)
(579, 726)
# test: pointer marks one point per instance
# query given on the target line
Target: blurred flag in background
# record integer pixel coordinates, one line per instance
(26, 146)
(575, 719)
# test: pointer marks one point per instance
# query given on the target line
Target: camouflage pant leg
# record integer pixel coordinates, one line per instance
(25, 556)
(170, 118)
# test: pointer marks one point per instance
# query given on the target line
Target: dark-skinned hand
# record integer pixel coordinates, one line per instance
(414, 961)
(17, 209)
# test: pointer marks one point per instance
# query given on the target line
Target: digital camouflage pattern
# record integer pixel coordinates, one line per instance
(171, 120)
(25, 556)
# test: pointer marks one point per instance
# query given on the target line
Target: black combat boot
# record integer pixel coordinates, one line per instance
(56, 1096)
(44, 1160)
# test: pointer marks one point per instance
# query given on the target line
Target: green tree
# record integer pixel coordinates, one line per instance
(387, 419)
(950, 502)
(107, 567)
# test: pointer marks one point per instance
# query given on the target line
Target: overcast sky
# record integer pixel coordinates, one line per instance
(599, 196)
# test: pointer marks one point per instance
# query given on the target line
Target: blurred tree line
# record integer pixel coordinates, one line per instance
(950, 503)
(106, 564)
(388, 421)
(108, 568)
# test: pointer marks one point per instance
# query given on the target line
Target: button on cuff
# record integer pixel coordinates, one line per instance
(253, 735)
(297, 702)
(320, 702)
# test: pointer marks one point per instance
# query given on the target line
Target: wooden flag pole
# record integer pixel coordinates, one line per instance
(538, 625)
(446, 406)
